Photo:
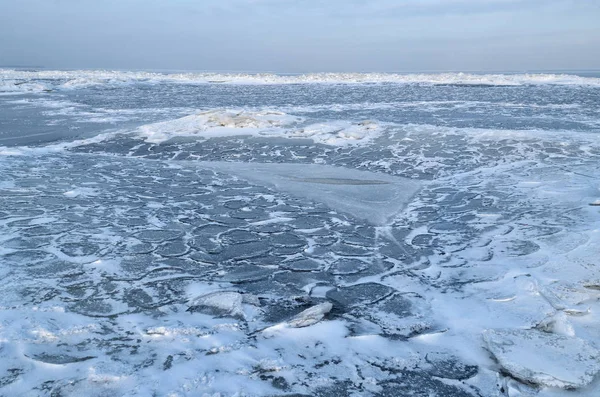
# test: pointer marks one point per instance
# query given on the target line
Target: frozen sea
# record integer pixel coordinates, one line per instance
(202, 234)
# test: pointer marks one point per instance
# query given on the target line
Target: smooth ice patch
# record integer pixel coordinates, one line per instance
(370, 196)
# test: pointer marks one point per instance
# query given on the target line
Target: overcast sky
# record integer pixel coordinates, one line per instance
(302, 35)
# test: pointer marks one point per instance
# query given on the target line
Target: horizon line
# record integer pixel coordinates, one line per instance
(226, 71)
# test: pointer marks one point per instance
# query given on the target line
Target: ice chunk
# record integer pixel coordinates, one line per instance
(218, 122)
(544, 358)
(221, 303)
(311, 315)
(370, 196)
(226, 123)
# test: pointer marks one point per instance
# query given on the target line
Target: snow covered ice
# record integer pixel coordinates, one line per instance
(321, 234)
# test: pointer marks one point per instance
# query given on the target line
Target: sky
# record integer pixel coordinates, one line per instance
(296, 36)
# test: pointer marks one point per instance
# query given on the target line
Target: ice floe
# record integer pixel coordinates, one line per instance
(543, 358)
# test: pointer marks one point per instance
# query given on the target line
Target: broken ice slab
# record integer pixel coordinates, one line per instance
(544, 358)
(310, 316)
(219, 303)
(369, 196)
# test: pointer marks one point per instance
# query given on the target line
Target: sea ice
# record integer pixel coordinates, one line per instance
(544, 358)
(370, 196)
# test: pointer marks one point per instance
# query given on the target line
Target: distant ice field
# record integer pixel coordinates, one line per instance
(206, 234)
